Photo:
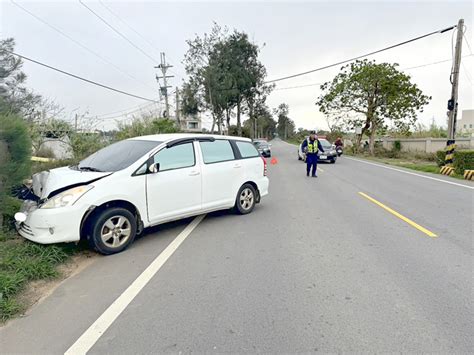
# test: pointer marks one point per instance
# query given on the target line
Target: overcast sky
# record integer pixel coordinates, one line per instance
(296, 36)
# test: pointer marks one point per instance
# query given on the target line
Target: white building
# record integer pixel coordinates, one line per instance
(191, 124)
(466, 123)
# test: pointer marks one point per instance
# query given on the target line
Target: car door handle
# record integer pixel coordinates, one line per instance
(237, 166)
(194, 173)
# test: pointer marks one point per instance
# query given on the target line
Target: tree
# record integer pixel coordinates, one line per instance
(16, 98)
(15, 162)
(189, 99)
(371, 95)
(237, 60)
(203, 77)
(286, 127)
(225, 71)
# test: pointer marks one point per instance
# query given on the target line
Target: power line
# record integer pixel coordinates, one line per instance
(410, 68)
(128, 25)
(113, 13)
(77, 42)
(127, 113)
(361, 56)
(77, 76)
(133, 108)
(297, 87)
(466, 73)
(465, 39)
(118, 32)
(433, 63)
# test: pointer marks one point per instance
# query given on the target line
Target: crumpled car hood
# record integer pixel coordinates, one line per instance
(49, 181)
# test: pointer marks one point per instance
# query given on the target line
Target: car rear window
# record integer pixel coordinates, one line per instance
(217, 151)
(247, 149)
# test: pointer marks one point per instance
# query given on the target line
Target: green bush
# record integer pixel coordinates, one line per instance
(84, 144)
(145, 126)
(440, 157)
(15, 165)
(397, 146)
(463, 160)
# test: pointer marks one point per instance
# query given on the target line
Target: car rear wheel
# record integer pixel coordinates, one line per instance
(246, 199)
(112, 230)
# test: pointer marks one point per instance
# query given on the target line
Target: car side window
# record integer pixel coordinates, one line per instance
(176, 157)
(247, 149)
(217, 151)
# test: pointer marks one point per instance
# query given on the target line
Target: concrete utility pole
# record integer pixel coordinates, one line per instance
(164, 89)
(177, 107)
(453, 101)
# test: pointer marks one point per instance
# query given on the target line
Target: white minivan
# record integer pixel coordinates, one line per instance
(109, 197)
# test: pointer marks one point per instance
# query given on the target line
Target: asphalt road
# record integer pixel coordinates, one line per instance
(316, 267)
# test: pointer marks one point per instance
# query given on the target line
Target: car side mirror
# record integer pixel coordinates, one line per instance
(154, 168)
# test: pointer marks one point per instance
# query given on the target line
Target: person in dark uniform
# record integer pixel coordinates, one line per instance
(310, 146)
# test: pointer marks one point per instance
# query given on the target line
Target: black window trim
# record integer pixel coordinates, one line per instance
(220, 161)
(151, 158)
(236, 148)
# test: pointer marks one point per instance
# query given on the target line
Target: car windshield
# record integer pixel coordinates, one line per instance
(117, 156)
(326, 144)
(261, 144)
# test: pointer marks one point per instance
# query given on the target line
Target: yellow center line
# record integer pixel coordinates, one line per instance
(403, 218)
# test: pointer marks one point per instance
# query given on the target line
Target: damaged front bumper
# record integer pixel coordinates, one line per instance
(55, 225)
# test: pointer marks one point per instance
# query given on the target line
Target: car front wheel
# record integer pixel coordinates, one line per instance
(246, 199)
(112, 230)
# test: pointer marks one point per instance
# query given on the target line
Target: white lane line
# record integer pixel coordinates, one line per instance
(98, 328)
(410, 173)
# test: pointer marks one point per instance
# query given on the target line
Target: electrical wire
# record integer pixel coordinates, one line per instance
(410, 68)
(77, 76)
(297, 87)
(79, 43)
(361, 56)
(125, 111)
(113, 13)
(465, 39)
(433, 63)
(118, 32)
(466, 73)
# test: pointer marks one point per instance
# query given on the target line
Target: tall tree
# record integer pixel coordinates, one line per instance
(371, 95)
(241, 73)
(203, 75)
(16, 98)
(286, 126)
(228, 75)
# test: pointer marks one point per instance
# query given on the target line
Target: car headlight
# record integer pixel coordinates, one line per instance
(67, 198)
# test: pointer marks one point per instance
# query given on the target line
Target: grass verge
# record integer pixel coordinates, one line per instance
(21, 262)
(413, 164)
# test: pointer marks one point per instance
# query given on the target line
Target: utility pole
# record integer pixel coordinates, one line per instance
(75, 123)
(164, 89)
(178, 107)
(453, 101)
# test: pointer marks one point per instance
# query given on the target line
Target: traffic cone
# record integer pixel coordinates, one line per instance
(274, 161)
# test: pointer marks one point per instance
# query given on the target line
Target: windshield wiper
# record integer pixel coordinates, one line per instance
(89, 168)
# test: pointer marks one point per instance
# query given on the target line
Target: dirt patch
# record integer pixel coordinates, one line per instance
(36, 291)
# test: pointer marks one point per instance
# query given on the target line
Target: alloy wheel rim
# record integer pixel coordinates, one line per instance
(246, 199)
(116, 231)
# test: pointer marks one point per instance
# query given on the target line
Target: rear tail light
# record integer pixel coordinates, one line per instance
(264, 167)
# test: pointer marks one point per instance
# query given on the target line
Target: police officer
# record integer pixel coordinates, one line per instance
(310, 146)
